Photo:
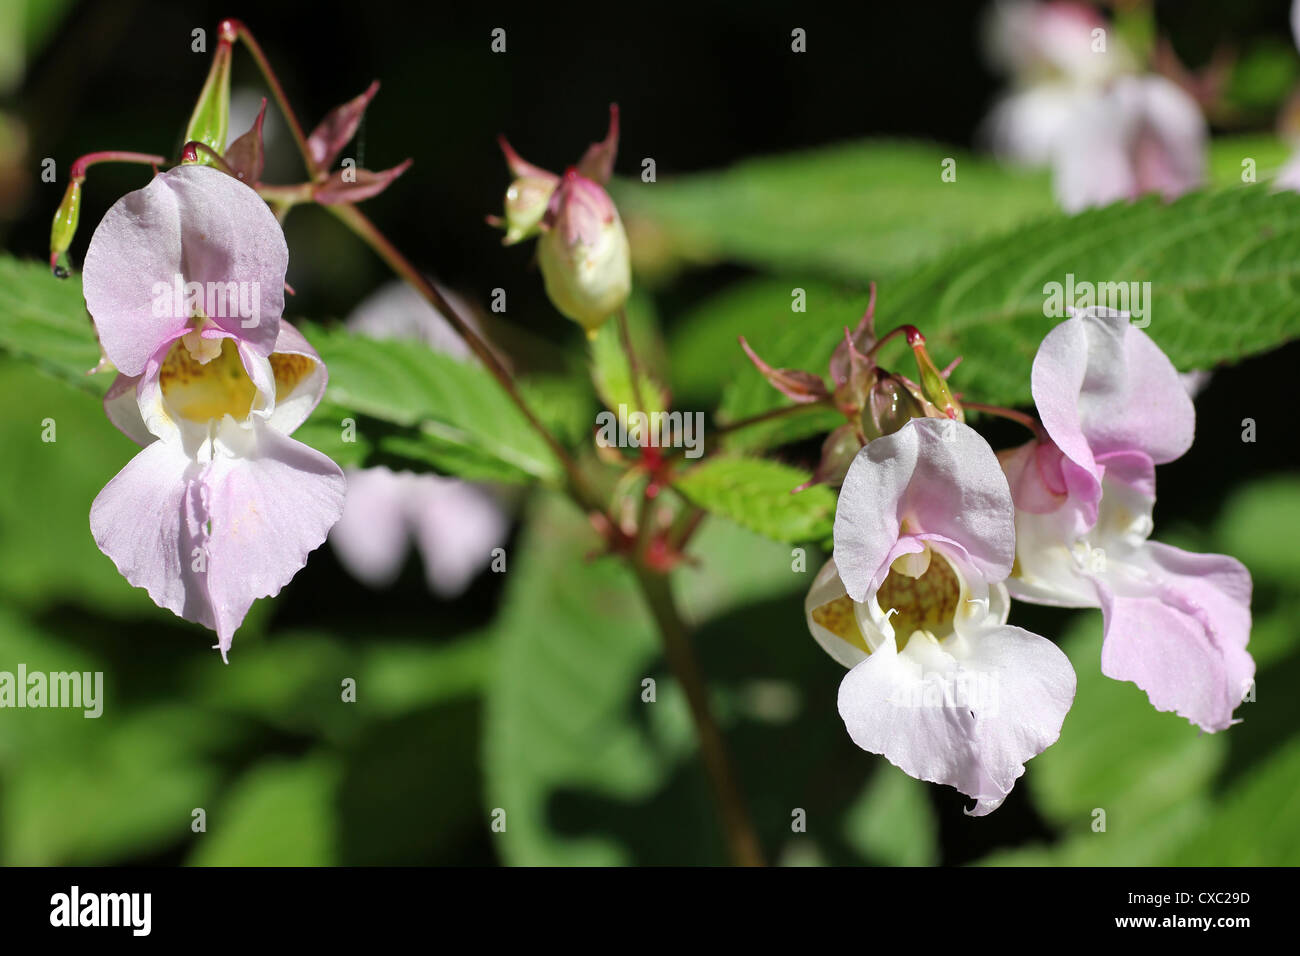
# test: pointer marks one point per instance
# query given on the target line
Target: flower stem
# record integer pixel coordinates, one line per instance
(910, 331)
(78, 170)
(770, 415)
(358, 222)
(742, 840)
(633, 367)
(263, 64)
(1029, 421)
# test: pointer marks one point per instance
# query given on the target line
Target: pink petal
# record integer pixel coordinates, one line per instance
(1169, 155)
(150, 521)
(951, 490)
(975, 736)
(123, 409)
(456, 525)
(271, 505)
(1180, 633)
(300, 385)
(371, 538)
(1102, 386)
(194, 223)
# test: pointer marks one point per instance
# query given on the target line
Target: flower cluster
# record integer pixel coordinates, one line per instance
(934, 532)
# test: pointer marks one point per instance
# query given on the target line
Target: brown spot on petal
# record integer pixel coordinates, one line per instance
(838, 618)
(927, 603)
(290, 370)
(206, 392)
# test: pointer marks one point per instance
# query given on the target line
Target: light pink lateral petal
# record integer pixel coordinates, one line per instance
(1180, 633)
(300, 385)
(940, 477)
(1169, 155)
(1029, 127)
(150, 520)
(1093, 163)
(123, 409)
(271, 506)
(456, 525)
(371, 540)
(970, 723)
(1102, 386)
(1034, 474)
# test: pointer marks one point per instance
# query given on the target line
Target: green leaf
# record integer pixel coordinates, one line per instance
(893, 822)
(280, 813)
(1256, 822)
(43, 320)
(1116, 752)
(611, 371)
(848, 211)
(448, 413)
(1260, 526)
(47, 554)
(756, 494)
(1224, 269)
(574, 643)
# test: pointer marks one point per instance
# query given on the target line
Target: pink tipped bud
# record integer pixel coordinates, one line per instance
(583, 253)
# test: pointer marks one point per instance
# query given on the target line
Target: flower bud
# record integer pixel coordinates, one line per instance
(933, 386)
(65, 225)
(584, 254)
(889, 407)
(526, 202)
(210, 121)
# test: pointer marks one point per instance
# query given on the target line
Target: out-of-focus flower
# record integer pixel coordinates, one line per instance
(583, 251)
(1113, 407)
(913, 601)
(1288, 177)
(1107, 131)
(185, 282)
(455, 524)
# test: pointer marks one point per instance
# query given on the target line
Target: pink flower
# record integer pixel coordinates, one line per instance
(913, 602)
(1114, 407)
(185, 282)
(454, 524)
(1107, 131)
